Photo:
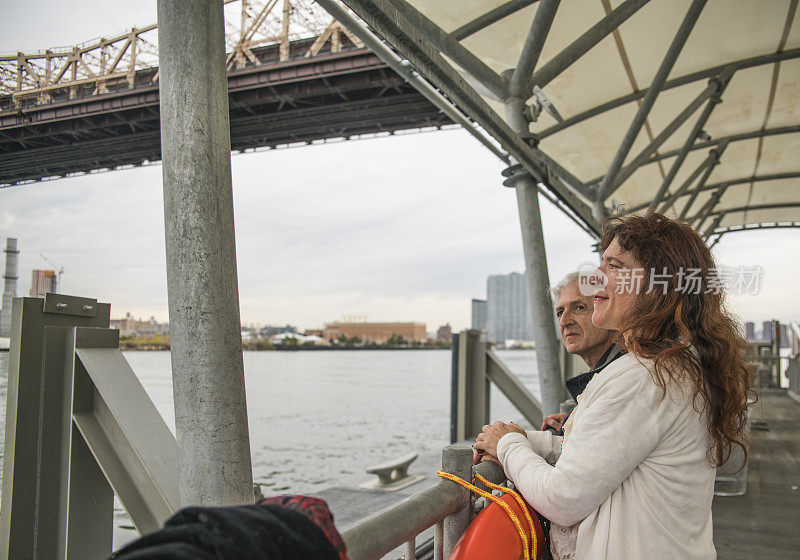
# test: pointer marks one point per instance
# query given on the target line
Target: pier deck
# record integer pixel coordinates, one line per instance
(765, 522)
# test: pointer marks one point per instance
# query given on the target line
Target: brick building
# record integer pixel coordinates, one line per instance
(444, 333)
(376, 332)
(128, 326)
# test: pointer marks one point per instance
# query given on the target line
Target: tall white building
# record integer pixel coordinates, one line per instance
(479, 314)
(9, 286)
(508, 312)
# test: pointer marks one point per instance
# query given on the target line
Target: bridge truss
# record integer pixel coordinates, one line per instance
(102, 65)
(295, 76)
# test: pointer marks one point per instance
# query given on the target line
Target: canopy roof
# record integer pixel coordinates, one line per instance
(682, 106)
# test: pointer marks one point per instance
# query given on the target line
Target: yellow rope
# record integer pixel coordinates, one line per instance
(523, 537)
(521, 503)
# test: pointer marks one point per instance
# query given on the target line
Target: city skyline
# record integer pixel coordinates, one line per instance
(399, 228)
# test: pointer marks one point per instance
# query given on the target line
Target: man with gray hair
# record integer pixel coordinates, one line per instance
(580, 336)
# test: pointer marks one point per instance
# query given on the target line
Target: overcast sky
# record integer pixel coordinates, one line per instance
(403, 228)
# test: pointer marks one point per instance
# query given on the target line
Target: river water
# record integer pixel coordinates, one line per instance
(318, 419)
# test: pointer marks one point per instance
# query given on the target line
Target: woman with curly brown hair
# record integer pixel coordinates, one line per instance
(633, 476)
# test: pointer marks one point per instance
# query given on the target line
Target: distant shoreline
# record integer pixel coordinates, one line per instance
(123, 345)
(286, 348)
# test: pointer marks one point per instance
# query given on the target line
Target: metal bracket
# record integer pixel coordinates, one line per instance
(514, 173)
(70, 305)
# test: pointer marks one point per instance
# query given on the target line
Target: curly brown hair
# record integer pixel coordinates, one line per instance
(669, 325)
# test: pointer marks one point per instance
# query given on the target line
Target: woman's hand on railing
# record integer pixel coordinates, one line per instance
(490, 435)
(479, 457)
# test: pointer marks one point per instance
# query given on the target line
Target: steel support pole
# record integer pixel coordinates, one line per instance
(650, 98)
(544, 327)
(544, 331)
(207, 368)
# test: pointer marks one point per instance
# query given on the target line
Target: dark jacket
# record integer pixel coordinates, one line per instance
(279, 528)
(577, 384)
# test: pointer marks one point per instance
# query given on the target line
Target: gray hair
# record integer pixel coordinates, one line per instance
(566, 282)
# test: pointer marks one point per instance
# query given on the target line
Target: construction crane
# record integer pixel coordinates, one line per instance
(60, 272)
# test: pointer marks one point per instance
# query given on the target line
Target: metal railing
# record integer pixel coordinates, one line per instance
(474, 366)
(80, 428)
(793, 372)
(765, 359)
(443, 506)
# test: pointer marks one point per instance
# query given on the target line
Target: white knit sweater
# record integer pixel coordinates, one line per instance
(631, 473)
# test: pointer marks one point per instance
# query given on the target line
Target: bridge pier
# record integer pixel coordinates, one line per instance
(207, 368)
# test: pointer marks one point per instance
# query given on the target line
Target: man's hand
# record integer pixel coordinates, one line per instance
(554, 421)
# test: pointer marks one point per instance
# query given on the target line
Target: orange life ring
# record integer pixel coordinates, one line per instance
(492, 535)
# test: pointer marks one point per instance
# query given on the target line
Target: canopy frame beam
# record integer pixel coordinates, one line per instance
(732, 138)
(583, 201)
(605, 189)
(719, 232)
(670, 200)
(493, 16)
(732, 182)
(462, 56)
(752, 208)
(747, 227)
(520, 84)
(670, 84)
(395, 29)
(707, 233)
(642, 157)
(716, 240)
(583, 44)
(704, 212)
(716, 155)
(721, 83)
